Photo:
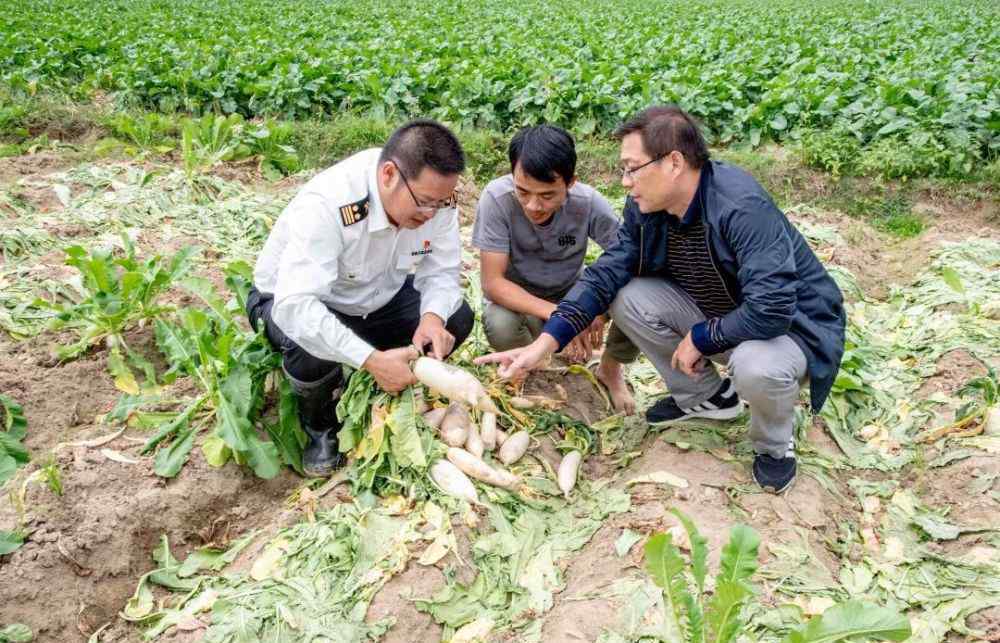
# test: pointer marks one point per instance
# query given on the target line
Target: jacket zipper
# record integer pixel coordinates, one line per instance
(711, 258)
(642, 245)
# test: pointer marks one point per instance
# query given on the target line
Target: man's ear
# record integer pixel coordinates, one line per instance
(387, 173)
(677, 162)
(572, 182)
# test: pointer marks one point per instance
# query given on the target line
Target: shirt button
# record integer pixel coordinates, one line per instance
(376, 293)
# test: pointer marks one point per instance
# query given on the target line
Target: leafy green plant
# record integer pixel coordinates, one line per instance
(147, 132)
(52, 476)
(116, 290)
(835, 150)
(13, 454)
(10, 541)
(776, 69)
(694, 617)
(389, 440)
(690, 614)
(16, 633)
(230, 366)
(210, 140)
(271, 141)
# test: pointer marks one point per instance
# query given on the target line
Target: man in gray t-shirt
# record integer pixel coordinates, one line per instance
(532, 228)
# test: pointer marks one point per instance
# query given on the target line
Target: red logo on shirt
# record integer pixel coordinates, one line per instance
(426, 250)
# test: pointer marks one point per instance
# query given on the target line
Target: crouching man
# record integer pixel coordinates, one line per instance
(362, 268)
(706, 266)
(532, 228)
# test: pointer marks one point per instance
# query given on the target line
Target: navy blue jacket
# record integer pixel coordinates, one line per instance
(767, 266)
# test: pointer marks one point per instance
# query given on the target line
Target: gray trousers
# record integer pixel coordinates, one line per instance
(656, 315)
(506, 329)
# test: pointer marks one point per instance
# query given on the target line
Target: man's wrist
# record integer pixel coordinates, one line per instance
(432, 318)
(547, 343)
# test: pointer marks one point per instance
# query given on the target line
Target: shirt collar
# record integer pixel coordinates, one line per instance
(377, 218)
(694, 208)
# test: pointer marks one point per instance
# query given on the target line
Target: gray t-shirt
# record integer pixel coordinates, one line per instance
(545, 260)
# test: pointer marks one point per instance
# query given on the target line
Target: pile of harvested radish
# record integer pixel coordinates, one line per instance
(468, 442)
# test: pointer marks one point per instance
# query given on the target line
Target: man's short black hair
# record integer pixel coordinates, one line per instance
(545, 153)
(424, 143)
(665, 128)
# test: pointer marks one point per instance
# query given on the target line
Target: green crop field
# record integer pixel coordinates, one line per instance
(875, 77)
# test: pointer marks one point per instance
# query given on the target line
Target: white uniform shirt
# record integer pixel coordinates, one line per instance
(316, 257)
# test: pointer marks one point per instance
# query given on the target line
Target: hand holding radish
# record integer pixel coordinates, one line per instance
(391, 368)
(516, 362)
(432, 331)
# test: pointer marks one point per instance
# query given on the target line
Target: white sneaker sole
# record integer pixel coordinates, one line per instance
(716, 414)
(707, 414)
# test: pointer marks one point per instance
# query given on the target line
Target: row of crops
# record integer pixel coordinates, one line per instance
(872, 85)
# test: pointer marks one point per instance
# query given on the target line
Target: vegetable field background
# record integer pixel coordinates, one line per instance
(873, 76)
(148, 447)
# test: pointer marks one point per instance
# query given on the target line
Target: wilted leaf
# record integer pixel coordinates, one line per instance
(624, 543)
(659, 477)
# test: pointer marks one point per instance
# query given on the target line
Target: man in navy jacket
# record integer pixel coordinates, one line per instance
(707, 268)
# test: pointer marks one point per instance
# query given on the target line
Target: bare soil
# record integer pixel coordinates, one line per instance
(87, 548)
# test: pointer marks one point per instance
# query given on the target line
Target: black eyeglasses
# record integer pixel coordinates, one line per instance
(630, 171)
(428, 207)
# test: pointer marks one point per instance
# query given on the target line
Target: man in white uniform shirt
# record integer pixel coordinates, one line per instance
(362, 268)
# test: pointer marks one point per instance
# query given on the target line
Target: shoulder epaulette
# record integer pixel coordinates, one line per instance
(354, 212)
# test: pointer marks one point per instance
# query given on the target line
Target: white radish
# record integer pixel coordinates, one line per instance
(453, 382)
(476, 468)
(452, 481)
(455, 425)
(434, 416)
(474, 442)
(514, 447)
(521, 403)
(489, 431)
(567, 471)
(501, 437)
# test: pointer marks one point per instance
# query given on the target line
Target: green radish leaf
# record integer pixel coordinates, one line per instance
(14, 422)
(738, 564)
(10, 541)
(287, 434)
(854, 621)
(666, 567)
(699, 570)
(405, 443)
(13, 448)
(216, 452)
(232, 410)
(16, 633)
(168, 461)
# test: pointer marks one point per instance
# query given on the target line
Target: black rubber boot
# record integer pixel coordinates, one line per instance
(318, 417)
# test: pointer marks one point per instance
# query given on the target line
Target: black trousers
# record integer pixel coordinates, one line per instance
(391, 326)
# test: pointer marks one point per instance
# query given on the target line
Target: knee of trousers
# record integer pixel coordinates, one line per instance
(504, 328)
(460, 323)
(629, 308)
(755, 376)
(310, 376)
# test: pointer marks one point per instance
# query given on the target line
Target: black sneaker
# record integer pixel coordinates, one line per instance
(724, 404)
(774, 474)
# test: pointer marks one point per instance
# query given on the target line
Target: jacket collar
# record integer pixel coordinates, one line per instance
(697, 203)
(377, 218)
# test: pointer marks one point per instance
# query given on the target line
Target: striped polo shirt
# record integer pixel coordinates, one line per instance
(690, 265)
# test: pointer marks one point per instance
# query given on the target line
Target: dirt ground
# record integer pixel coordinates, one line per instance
(87, 548)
